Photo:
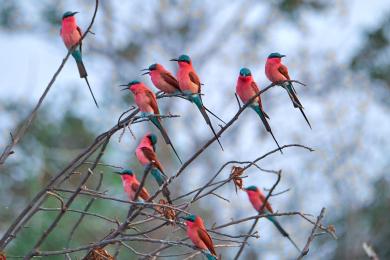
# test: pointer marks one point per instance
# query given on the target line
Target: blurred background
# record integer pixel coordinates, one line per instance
(339, 48)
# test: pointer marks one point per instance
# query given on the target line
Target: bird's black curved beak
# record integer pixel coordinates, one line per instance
(117, 172)
(148, 71)
(74, 13)
(124, 85)
(174, 60)
(281, 56)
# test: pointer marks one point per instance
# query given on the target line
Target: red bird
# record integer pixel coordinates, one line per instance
(257, 199)
(71, 35)
(246, 89)
(163, 79)
(147, 104)
(276, 72)
(197, 232)
(131, 185)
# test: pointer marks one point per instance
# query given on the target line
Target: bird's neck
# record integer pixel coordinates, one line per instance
(274, 61)
(69, 22)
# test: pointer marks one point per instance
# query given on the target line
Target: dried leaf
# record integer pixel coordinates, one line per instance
(99, 254)
(168, 213)
(235, 176)
(2, 255)
(331, 229)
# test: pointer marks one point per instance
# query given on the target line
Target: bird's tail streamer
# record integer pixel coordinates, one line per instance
(266, 124)
(198, 102)
(157, 123)
(282, 231)
(159, 177)
(294, 98)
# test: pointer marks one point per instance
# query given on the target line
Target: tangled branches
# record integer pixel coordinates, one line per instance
(143, 219)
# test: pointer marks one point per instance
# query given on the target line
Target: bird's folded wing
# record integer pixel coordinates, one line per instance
(153, 101)
(81, 34)
(283, 69)
(143, 193)
(205, 237)
(170, 80)
(152, 157)
(195, 79)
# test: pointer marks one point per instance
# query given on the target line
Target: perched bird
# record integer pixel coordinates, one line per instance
(190, 85)
(147, 104)
(131, 185)
(246, 89)
(276, 72)
(71, 35)
(146, 155)
(257, 199)
(162, 79)
(197, 232)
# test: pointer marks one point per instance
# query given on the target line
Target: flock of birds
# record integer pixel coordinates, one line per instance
(187, 85)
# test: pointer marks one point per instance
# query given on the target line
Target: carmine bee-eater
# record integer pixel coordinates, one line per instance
(146, 155)
(257, 199)
(190, 85)
(71, 35)
(147, 104)
(131, 185)
(246, 89)
(162, 79)
(276, 72)
(197, 232)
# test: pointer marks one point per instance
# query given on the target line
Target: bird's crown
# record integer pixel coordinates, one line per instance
(190, 218)
(245, 72)
(126, 172)
(276, 55)
(252, 188)
(153, 66)
(134, 82)
(68, 14)
(184, 58)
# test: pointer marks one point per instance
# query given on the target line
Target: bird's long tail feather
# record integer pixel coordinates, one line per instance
(157, 123)
(80, 65)
(83, 72)
(294, 98)
(282, 231)
(199, 104)
(160, 178)
(214, 115)
(90, 90)
(262, 116)
(307, 120)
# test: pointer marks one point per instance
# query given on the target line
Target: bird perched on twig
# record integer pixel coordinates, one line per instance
(146, 155)
(190, 85)
(162, 79)
(246, 89)
(131, 185)
(71, 35)
(257, 199)
(147, 104)
(276, 72)
(197, 232)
